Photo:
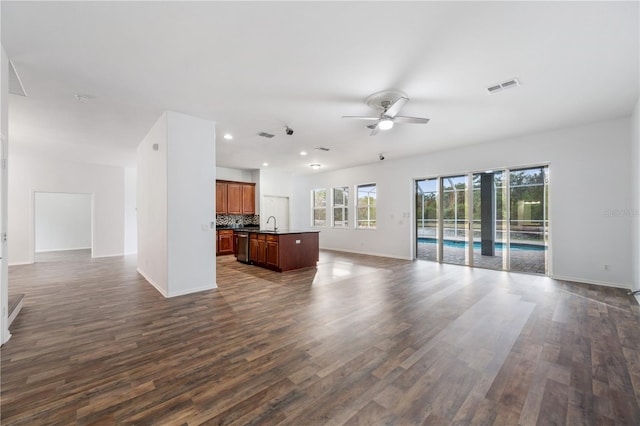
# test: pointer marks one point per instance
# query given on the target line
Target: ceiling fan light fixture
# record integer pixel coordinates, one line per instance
(385, 124)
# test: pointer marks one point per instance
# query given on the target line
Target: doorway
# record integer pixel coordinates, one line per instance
(490, 219)
(62, 222)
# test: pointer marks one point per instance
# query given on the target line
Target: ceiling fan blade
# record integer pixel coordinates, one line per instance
(361, 118)
(403, 119)
(395, 107)
(374, 131)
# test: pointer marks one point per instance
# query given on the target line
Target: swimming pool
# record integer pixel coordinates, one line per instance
(476, 244)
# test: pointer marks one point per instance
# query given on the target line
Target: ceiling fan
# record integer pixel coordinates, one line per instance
(389, 102)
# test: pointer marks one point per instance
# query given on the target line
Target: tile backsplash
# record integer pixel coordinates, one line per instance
(237, 219)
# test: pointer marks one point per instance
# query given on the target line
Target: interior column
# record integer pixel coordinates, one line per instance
(487, 214)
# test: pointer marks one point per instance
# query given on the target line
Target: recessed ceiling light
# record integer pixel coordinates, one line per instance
(228, 136)
(265, 164)
(315, 166)
(83, 98)
(303, 152)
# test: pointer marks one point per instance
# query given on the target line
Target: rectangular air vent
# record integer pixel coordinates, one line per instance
(321, 148)
(504, 85)
(510, 83)
(266, 135)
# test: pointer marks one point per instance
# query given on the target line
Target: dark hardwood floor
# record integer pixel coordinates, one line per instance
(359, 340)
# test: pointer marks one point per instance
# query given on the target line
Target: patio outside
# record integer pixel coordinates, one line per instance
(526, 193)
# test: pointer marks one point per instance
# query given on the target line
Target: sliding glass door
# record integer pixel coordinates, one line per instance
(489, 212)
(528, 221)
(427, 228)
(491, 219)
(455, 219)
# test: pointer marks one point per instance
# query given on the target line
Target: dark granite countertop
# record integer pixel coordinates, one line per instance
(272, 232)
(239, 228)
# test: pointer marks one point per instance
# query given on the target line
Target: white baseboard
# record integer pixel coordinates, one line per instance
(180, 293)
(63, 249)
(93, 256)
(367, 253)
(21, 263)
(588, 281)
(150, 281)
(637, 296)
(15, 312)
(194, 290)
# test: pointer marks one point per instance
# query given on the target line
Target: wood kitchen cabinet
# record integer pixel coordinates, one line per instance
(225, 242)
(221, 197)
(248, 198)
(235, 244)
(283, 251)
(271, 255)
(235, 197)
(258, 249)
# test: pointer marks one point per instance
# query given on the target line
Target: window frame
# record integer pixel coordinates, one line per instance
(314, 208)
(357, 209)
(344, 207)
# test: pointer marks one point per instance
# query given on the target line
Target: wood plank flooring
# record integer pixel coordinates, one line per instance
(359, 340)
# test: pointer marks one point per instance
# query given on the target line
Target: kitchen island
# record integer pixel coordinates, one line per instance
(281, 250)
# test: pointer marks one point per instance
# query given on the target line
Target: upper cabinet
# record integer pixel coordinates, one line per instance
(221, 197)
(248, 199)
(235, 197)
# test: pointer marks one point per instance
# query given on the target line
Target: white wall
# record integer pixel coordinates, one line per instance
(275, 184)
(589, 185)
(635, 194)
(237, 175)
(152, 206)
(255, 177)
(176, 205)
(191, 204)
(31, 174)
(130, 211)
(4, 131)
(63, 221)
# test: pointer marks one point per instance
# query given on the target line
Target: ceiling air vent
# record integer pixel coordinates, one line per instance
(321, 148)
(266, 135)
(502, 86)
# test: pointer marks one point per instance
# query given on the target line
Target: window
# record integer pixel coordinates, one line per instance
(341, 207)
(319, 199)
(366, 206)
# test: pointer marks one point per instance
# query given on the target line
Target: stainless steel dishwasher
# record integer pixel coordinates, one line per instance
(243, 246)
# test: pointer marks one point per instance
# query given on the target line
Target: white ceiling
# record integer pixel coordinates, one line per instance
(253, 67)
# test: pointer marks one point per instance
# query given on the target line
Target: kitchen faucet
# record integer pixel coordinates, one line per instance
(275, 227)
